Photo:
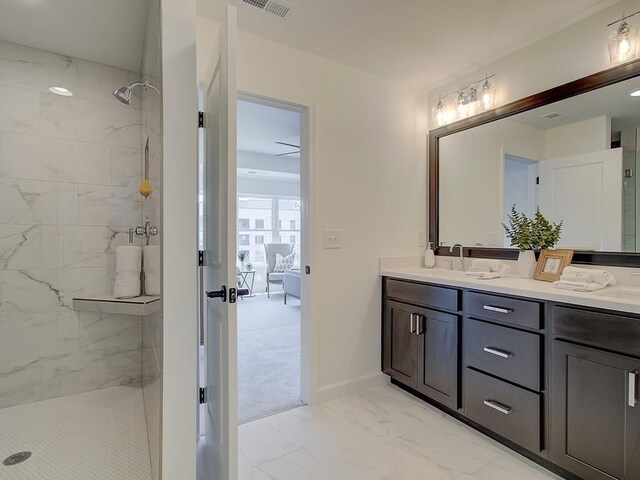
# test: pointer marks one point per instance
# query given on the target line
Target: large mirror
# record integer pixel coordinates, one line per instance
(576, 159)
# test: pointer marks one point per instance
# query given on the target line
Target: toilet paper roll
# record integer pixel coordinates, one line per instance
(151, 254)
(128, 258)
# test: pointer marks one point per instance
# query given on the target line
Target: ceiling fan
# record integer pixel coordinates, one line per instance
(288, 145)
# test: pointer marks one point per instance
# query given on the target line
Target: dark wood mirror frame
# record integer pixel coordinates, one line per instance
(571, 89)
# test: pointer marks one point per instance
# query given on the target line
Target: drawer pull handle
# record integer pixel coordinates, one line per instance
(491, 308)
(498, 406)
(497, 352)
(411, 327)
(633, 389)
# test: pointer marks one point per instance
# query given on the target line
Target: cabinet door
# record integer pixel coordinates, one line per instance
(438, 356)
(400, 343)
(595, 424)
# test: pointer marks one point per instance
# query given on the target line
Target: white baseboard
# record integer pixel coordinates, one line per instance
(353, 385)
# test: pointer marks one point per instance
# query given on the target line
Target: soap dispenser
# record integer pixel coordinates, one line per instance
(429, 256)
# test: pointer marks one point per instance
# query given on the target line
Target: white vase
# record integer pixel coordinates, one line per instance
(526, 264)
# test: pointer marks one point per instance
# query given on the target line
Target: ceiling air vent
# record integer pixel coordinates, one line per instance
(273, 7)
(552, 115)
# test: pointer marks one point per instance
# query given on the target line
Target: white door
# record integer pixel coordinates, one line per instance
(585, 191)
(217, 450)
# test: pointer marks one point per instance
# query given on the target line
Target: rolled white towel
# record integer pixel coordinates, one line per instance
(151, 257)
(152, 282)
(128, 258)
(126, 288)
(601, 277)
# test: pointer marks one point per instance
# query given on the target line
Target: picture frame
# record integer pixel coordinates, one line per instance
(551, 263)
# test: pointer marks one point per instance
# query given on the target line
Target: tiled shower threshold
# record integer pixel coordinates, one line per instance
(99, 435)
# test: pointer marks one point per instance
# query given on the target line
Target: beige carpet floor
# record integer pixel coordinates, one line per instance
(268, 356)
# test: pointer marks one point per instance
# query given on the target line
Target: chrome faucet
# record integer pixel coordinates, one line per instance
(147, 231)
(461, 254)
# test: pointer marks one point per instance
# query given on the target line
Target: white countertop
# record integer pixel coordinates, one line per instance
(623, 299)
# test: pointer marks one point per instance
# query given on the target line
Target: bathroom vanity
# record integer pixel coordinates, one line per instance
(552, 374)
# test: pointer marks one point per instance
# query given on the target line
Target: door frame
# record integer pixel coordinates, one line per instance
(308, 328)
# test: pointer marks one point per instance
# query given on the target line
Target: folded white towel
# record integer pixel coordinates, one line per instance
(577, 286)
(601, 277)
(493, 265)
(484, 275)
(127, 276)
(151, 257)
(152, 282)
(128, 258)
(126, 288)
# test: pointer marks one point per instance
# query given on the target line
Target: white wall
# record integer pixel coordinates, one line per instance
(179, 240)
(369, 181)
(577, 51)
(590, 135)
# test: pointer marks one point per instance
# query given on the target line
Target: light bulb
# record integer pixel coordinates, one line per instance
(461, 107)
(487, 98)
(440, 114)
(624, 46)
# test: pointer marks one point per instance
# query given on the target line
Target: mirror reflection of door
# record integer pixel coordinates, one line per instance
(520, 187)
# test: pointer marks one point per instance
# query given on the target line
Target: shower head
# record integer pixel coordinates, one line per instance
(123, 94)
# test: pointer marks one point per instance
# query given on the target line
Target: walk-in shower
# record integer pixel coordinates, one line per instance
(123, 94)
(80, 370)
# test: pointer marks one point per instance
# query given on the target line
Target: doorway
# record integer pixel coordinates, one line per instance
(520, 188)
(270, 240)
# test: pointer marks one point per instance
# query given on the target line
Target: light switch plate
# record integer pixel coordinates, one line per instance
(332, 239)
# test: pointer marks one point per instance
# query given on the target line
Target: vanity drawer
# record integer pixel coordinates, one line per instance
(606, 330)
(425, 295)
(510, 411)
(503, 309)
(502, 351)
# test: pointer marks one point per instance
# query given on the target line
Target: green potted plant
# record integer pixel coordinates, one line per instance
(529, 234)
(242, 256)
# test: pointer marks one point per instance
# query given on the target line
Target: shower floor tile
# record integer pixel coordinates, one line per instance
(99, 435)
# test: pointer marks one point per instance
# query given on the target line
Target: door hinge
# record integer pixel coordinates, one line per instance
(200, 258)
(202, 395)
(537, 180)
(200, 119)
(307, 270)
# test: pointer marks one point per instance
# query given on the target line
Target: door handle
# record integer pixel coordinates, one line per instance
(412, 329)
(221, 294)
(498, 406)
(491, 308)
(633, 389)
(497, 352)
(419, 329)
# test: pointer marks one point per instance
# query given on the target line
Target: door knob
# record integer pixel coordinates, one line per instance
(221, 294)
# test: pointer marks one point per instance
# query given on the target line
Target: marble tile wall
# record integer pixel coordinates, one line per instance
(69, 169)
(151, 107)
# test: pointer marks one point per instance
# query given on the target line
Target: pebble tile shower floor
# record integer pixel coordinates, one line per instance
(99, 435)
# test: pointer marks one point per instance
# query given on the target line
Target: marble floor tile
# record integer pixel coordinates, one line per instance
(294, 466)
(265, 439)
(380, 434)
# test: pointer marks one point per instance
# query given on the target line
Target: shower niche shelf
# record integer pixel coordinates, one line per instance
(144, 305)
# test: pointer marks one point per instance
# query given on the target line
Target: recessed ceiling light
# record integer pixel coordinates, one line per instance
(635, 93)
(61, 91)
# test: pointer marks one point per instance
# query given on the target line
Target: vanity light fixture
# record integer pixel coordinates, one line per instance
(623, 40)
(465, 102)
(61, 91)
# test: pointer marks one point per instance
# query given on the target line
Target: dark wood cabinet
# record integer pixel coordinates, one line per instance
(420, 345)
(595, 428)
(438, 356)
(558, 383)
(400, 343)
